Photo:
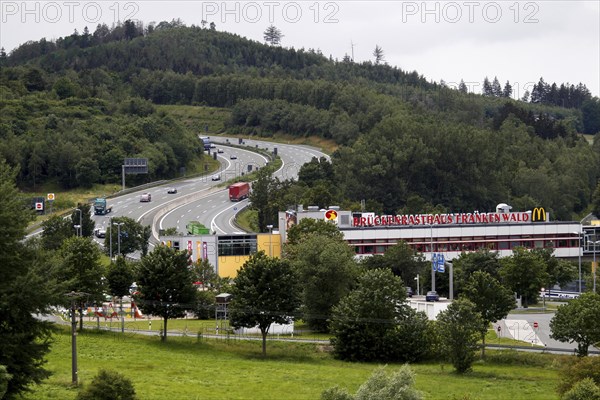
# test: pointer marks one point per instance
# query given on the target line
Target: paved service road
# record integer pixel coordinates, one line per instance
(524, 324)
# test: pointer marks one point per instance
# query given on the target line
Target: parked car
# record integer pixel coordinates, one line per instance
(172, 190)
(216, 177)
(146, 197)
(220, 151)
(432, 296)
(409, 292)
(233, 157)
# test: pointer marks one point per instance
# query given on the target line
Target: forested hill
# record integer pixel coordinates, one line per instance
(173, 47)
(73, 108)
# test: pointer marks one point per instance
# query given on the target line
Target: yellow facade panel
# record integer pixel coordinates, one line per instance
(269, 243)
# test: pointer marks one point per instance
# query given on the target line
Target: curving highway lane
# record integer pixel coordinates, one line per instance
(215, 210)
(129, 205)
(202, 199)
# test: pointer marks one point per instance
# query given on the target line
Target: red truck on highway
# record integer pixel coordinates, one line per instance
(239, 191)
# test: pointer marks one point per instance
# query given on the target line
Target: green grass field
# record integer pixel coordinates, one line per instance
(189, 368)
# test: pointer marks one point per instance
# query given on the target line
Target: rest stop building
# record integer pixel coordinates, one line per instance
(368, 234)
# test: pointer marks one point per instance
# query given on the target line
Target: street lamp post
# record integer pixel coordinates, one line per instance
(80, 230)
(74, 296)
(110, 238)
(118, 224)
(418, 291)
(544, 297)
(270, 227)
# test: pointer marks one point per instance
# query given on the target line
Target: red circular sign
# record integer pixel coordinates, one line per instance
(535, 324)
(331, 215)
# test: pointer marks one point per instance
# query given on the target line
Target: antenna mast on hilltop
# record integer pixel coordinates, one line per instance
(352, 47)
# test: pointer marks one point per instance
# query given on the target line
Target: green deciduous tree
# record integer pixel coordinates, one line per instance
(307, 226)
(261, 199)
(56, 230)
(209, 285)
(134, 236)
(560, 272)
(24, 291)
(119, 277)
(468, 263)
(459, 328)
(265, 292)
(596, 198)
(577, 322)
(398, 385)
(327, 271)
(524, 273)
(369, 323)
(492, 300)
(402, 260)
(165, 284)
(80, 270)
(86, 219)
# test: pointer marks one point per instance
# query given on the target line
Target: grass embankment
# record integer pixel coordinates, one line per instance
(188, 368)
(196, 118)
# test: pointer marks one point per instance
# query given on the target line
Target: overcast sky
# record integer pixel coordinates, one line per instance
(518, 41)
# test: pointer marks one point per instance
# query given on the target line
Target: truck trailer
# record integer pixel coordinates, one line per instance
(239, 191)
(196, 228)
(101, 207)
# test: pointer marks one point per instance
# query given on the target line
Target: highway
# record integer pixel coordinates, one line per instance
(202, 199)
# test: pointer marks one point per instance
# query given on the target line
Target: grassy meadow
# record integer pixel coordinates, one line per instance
(192, 368)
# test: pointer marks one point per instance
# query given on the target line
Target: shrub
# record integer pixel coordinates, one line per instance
(585, 389)
(108, 385)
(586, 367)
(381, 386)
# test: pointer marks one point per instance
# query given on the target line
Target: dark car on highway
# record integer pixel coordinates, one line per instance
(432, 296)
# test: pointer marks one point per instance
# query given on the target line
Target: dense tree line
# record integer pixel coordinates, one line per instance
(465, 168)
(55, 129)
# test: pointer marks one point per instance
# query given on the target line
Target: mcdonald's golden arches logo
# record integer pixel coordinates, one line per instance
(538, 215)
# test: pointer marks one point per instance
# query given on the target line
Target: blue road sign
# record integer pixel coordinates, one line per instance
(440, 263)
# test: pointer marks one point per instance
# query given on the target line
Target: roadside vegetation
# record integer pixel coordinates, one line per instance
(214, 369)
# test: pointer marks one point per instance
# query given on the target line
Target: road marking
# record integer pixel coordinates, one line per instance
(212, 222)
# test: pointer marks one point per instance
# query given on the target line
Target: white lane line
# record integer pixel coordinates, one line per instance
(160, 223)
(212, 222)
